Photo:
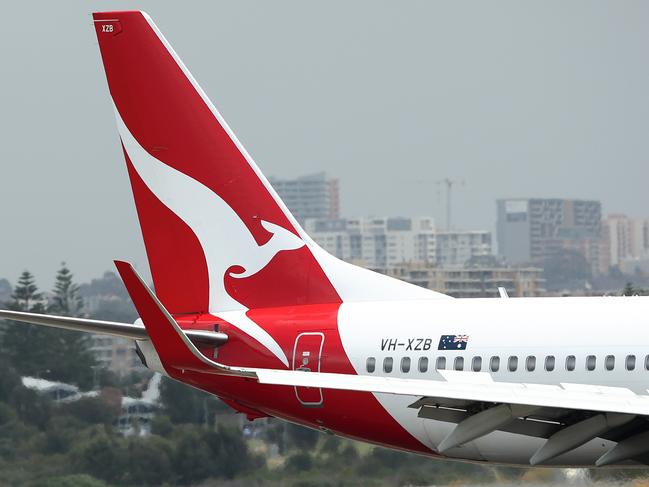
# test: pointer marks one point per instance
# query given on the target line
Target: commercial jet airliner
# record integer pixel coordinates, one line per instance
(249, 308)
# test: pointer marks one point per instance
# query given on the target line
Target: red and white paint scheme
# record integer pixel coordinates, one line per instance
(249, 308)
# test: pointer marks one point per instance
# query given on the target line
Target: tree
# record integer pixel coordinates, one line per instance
(229, 451)
(9, 379)
(149, 461)
(301, 437)
(73, 480)
(66, 299)
(184, 404)
(192, 459)
(92, 410)
(299, 462)
(566, 268)
(628, 290)
(25, 344)
(102, 456)
(26, 296)
(31, 407)
(47, 352)
(70, 358)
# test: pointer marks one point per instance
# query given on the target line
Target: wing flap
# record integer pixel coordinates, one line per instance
(484, 389)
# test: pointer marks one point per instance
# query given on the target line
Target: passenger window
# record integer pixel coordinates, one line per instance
(630, 362)
(570, 363)
(609, 362)
(387, 364)
(530, 363)
(476, 364)
(371, 364)
(494, 364)
(405, 364)
(512, 364)
(423, 364)
(459, 363)
(549, 363)
(441, 363)
(591, 361)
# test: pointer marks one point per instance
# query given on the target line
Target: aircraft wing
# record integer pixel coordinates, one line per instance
(568, 415)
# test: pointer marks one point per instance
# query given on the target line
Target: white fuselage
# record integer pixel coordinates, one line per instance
(609, 335)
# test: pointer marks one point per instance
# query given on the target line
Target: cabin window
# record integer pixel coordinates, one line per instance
(387, 364)
(476, 364)
(646, 362)
(371, 364)
(630, 362)
(530, 363)
(570, 363)
(494, 364)
(591, 362)
(549, 363)
(459, 363)
(405, 364)
(609, 362)
(423, 364)
(441, 363)
(512, 363)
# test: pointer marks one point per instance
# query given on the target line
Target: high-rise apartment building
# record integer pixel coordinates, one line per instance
(623, 239)
(530, 230)
(311, 196)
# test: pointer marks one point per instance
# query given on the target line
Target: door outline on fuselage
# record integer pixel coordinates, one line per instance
(309, 404)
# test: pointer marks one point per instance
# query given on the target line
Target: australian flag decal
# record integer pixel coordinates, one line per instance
(453, 342)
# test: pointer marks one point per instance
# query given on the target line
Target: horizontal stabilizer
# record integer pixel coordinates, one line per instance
(111, 328)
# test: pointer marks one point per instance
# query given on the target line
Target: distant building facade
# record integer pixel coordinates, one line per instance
(473, 282)
(311, 196)
(530, 230)
(376, 242)
(456, 248)
(624, 241)
(116, 354)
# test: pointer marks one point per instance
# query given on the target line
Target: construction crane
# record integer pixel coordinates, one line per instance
(449, 183)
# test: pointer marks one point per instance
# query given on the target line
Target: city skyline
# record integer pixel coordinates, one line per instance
(438, 225)
(392, 100)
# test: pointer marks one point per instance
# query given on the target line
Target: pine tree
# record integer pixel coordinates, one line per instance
(66, 300)
(70, 358)
(49, 353)
(24, 344)
(26, 296)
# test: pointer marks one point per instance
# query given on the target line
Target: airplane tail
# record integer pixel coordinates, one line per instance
(217, 235)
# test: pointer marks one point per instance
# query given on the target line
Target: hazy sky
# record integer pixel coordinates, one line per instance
(516, 98)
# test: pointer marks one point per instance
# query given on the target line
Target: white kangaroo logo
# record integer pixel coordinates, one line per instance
(225, 239)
